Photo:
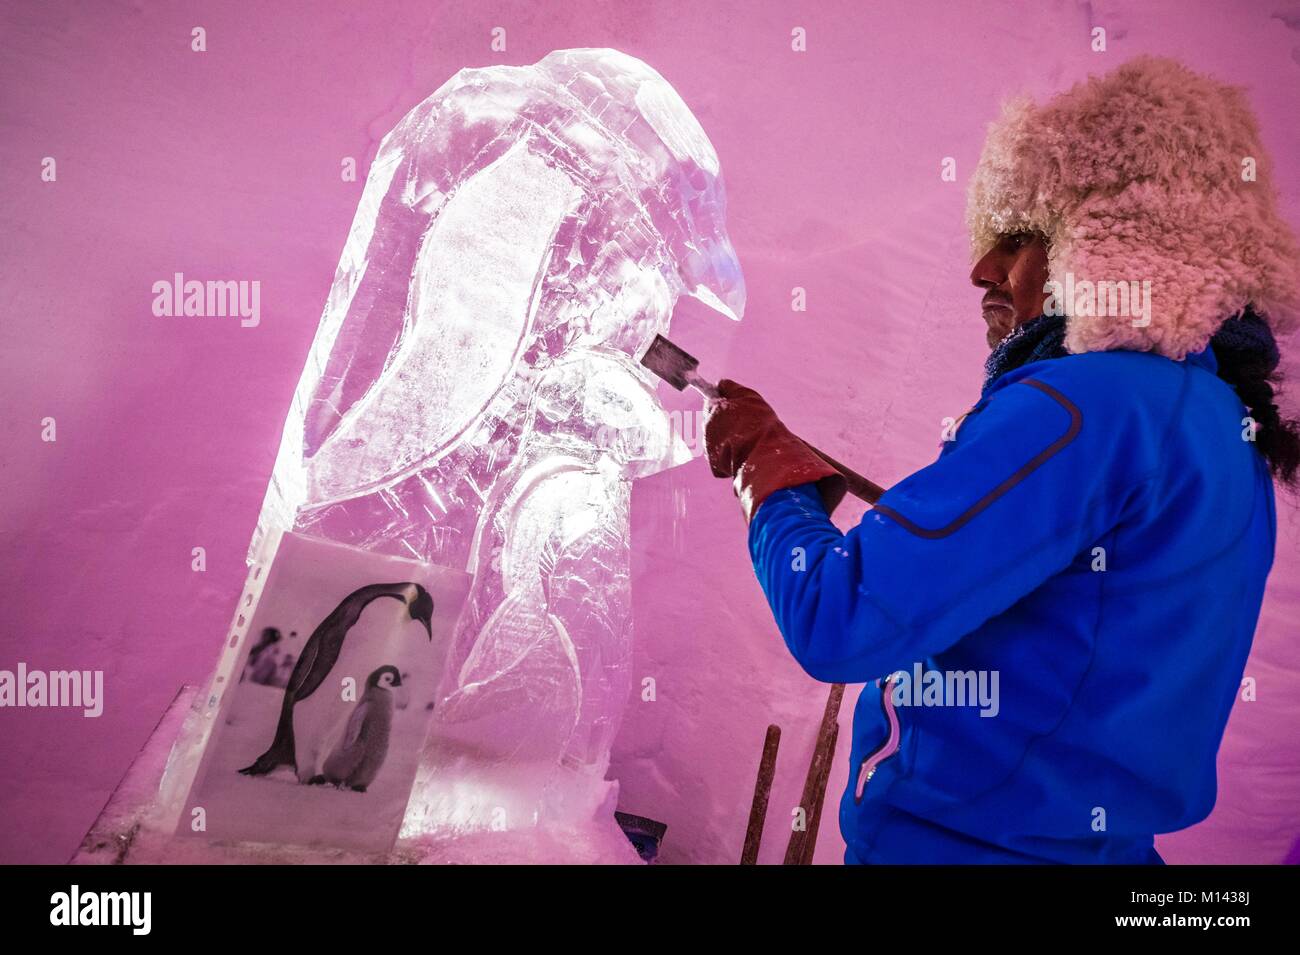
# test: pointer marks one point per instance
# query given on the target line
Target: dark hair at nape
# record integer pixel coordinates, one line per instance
(1248, 359)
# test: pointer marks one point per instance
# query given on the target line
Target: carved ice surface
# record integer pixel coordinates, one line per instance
(472, 399)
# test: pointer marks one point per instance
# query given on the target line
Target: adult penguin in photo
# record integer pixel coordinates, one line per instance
(356, 760)
(322, 652)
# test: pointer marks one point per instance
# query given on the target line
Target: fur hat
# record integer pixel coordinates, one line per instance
(1142, 175)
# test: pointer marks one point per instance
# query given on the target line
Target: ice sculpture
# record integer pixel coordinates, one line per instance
(472, 399)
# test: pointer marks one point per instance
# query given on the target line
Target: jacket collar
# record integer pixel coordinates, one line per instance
(1204, 358)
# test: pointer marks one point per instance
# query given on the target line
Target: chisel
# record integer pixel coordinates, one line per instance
(680, 370)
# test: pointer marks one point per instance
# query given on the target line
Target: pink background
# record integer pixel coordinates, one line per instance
(225, 165)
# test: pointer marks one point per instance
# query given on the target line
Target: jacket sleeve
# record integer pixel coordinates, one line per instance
(1028, 484)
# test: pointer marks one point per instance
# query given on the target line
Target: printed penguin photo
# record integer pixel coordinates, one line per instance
(318, 741)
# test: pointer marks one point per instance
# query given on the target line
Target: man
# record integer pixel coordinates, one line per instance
(1095, 537)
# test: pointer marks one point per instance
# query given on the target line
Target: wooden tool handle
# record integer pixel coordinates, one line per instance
(803, 842)
(762, 792)
(859, 486)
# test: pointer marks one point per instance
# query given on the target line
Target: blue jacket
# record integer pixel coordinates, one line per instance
(1097, 533)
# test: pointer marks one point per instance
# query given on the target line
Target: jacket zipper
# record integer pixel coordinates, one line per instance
(870, 762)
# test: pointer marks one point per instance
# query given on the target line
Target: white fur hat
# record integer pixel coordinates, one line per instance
(1149, 173)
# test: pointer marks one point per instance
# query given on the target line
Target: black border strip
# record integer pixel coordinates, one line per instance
(1076, 424)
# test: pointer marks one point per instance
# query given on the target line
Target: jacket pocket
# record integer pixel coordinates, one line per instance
(889, 746)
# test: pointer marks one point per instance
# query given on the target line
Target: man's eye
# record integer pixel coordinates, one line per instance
(1016, 240)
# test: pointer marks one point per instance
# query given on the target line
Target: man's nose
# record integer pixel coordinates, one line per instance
(988, 271)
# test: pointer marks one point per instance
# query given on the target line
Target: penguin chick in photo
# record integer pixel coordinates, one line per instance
(356, 760)
(320, 654)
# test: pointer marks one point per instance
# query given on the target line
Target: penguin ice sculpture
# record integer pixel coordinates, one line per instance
(320, 654)
(355, 761)
(473, 399)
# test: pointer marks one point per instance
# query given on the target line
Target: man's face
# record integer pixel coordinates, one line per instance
(1013, 274)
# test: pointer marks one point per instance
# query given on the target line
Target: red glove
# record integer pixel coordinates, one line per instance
(747, 442)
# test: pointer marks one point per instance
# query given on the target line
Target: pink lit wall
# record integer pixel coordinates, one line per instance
(225, 165)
